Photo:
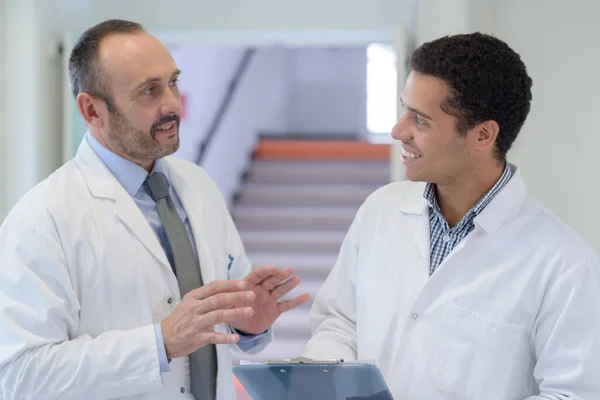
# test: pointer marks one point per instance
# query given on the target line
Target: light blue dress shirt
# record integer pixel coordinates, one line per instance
(131, 176)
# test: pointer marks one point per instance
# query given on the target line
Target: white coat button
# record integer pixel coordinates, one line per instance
(170, 300)
(446, 238)
(415, 316)
(182, 390)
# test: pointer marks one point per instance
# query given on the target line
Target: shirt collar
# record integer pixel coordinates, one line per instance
(130, 175)
(429, 195)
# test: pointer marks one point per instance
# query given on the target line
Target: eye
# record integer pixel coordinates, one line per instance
(419, 120)
(149, 91)
(173, 82)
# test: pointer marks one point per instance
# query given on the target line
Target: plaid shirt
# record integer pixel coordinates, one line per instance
(444, 239)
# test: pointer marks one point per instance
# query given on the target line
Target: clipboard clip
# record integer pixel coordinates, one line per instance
(304, 360)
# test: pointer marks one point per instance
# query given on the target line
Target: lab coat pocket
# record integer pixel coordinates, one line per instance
(475, 356)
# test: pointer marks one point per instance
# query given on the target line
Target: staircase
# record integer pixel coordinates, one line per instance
(294, 209)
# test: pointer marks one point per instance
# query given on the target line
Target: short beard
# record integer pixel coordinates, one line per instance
(135, 144)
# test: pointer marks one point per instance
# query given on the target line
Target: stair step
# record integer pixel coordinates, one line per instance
(286, 241)
(286, 149)
(308, 266)
(323, 194)
(373, 173)
(302, 218)
(293, 324)
(308, 285)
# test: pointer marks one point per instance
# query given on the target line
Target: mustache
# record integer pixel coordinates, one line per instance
(164, 120)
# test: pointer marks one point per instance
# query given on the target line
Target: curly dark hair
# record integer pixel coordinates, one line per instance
(487, 80)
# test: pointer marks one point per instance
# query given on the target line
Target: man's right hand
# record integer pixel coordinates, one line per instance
(190, 325)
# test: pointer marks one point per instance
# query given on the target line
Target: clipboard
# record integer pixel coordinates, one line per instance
(312, 379)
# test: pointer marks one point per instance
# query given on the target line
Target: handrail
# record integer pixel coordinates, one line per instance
(225, 103)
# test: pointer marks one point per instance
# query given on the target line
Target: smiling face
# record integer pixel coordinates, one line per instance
(139, 120)
(432, 148)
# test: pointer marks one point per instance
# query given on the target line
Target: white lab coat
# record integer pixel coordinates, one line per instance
(513, 312)
(83, 278)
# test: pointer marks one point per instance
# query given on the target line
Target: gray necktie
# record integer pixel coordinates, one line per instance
(203, 362)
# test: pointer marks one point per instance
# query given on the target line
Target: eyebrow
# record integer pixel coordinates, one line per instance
(154, 80)
(415, 111)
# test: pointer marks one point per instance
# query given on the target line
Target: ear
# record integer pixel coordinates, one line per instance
(485, 135)
(91, 109)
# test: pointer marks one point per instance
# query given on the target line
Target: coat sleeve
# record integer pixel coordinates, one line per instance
(333, 313)
(40, 357)
(566, 334)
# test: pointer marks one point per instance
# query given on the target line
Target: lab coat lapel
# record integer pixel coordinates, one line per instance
(103, 185)
(501, 208)
(414, 206)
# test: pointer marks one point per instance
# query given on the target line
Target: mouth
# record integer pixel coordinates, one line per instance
(408, 156)
(168, 128)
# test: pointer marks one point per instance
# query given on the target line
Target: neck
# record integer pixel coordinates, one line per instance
(457, 198)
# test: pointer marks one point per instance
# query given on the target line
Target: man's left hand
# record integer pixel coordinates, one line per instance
(269, 285)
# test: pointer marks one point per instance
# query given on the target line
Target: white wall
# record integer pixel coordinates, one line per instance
(21, 78)
(439, 17)
(49, 88)
(329, 91)
(558, 148)
(30, 107)
(3, 94)
(247, 15)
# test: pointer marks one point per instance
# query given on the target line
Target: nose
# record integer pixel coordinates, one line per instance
(401, 131)
(171, 103)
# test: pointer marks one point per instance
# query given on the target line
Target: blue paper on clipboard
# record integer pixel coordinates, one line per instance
(314, 379)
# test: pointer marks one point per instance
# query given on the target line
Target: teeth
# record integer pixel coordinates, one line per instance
(408, 154)
(166, 128)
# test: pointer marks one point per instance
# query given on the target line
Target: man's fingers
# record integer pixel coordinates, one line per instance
(288, 305)
(221, 316)
(225, 301)
(216, 287)
(284, 288)
(217, 338)
(259, 274)
(270, 283)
